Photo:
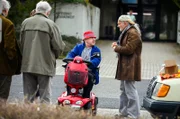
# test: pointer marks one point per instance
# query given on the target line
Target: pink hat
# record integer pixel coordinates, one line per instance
(89, 34)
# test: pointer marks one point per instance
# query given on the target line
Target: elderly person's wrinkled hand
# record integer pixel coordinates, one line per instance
(114, 44)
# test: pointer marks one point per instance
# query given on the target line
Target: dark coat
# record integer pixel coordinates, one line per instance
(9, 52)
(129, 56)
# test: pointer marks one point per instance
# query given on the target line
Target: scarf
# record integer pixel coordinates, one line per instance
(123, 32)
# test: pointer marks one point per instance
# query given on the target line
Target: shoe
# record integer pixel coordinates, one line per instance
(129, 117)
(120, 116)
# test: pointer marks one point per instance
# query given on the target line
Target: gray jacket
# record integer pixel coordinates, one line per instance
(40, 44)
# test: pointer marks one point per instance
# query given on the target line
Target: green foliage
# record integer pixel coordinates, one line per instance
(20, 10)
(177, 2)
(70, 42)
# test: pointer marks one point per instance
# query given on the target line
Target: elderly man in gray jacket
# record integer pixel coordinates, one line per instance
(41, 44)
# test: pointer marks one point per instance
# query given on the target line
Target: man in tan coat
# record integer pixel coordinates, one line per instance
(41, 45)
(128, 49)
(9, 55)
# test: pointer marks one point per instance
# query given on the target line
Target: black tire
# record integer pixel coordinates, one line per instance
(87, 106)
(96, 99)
(58, 103)
(94, 111)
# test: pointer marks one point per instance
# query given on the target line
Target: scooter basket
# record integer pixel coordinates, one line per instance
(77, 78)
(76, 75)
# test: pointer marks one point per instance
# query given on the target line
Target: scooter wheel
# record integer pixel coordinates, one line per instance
(87, 105)
(96, 100)
(94, 111)
(58, 103)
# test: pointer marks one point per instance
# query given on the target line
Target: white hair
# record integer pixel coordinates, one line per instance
(126, 18)
(4, 4)
(43, 7)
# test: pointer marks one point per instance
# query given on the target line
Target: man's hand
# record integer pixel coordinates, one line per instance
(114, 44)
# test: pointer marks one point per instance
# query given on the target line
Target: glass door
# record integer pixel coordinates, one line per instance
(148, 25)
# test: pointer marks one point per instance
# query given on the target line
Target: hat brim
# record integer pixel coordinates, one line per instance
(89, 37)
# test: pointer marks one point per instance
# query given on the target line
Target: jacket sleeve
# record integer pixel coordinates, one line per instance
(133, 41)
(73, 52)
(56, 42)
(10, 41)
(21, 40)
(96, 59)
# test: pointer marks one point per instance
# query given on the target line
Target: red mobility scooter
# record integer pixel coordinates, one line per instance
(76, 77)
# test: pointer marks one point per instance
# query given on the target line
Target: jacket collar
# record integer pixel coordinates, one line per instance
(122, 34)
(42, 15)
(2, 15)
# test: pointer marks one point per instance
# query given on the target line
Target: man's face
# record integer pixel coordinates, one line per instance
(90, 42)
(130, 12)
(122, 25)
(48, 13)
(5, 12)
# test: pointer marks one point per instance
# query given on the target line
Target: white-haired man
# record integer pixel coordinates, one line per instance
(128, 48)
(41, 44)
(8, 51)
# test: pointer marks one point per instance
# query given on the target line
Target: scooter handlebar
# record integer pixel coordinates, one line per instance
(67, 60)
(87, 62)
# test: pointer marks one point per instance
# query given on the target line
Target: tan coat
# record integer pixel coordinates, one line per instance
(129, 56)
(10, 57)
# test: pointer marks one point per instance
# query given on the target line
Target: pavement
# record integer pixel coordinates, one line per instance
(153, 56)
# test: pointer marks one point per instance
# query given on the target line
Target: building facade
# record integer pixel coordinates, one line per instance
(157, 18)
(75, 18)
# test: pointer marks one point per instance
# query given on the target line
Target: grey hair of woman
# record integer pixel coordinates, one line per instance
(43, 7)
(4, 4)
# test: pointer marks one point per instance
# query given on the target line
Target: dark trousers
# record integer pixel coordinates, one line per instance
(87, 89)
(36, 82)
(5, 84)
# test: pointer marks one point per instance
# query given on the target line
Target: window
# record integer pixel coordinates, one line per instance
(130, 1)
(148, 28)
(168, 23)
(149, 2)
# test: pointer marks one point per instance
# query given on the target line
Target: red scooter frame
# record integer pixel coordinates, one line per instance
(76, 77)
